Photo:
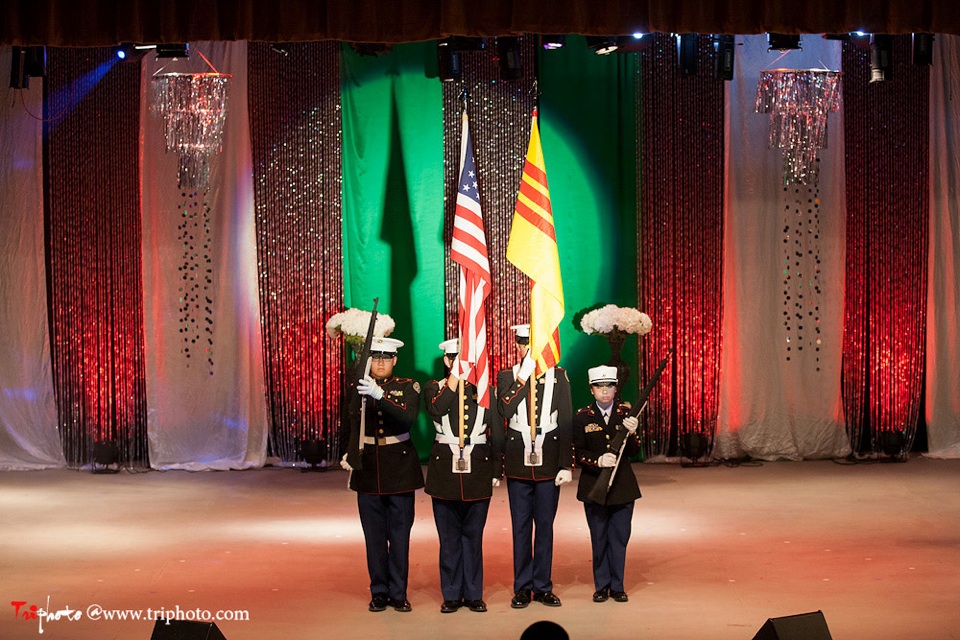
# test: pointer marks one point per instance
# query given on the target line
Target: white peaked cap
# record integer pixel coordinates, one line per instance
(450, 346)
(522, 330)
(385, 345)
(603, 373)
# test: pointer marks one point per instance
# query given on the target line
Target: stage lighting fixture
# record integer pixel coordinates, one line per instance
(26, 63)
(688, 53)
(314, 453)
(860, 39)
(723, 53)
(783, 42)
(881, 57)
(448, 59)
(553, 41)
(602, 45)
(634, 43)
(129, 52)
(923, 48)
(106, 457)
(893, 444)
(694, 446)
(173, 50)
(508, 55)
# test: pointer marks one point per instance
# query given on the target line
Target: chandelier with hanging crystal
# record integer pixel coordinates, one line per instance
(798, 101)
(193, 107)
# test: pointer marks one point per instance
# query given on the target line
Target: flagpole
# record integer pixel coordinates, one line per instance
(461, 465)
(532, 395)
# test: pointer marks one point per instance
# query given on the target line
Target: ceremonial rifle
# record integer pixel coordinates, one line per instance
(361, 368)
(601, 487)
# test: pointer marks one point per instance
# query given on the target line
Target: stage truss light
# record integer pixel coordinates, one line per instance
(602, 45)
(448, 60)
(783, 42)
(723, 56)
(508, 56)
(688, 53)
(923, 48)
(173, 50)
(881, 57)
(129, 52)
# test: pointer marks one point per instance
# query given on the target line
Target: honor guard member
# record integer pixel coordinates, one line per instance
(461, 475)
(536, 464)
(385, 471)
(610, 523)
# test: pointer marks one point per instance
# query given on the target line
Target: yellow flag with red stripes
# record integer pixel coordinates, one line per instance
(532, 248)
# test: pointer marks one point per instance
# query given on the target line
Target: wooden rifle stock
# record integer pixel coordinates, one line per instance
(601, 487)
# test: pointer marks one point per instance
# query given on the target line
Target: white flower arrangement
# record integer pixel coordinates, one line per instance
(352, 325)
(610, 318)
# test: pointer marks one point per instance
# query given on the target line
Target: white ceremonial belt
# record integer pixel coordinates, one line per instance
(525, 428)
(445, 439)
(403, 437)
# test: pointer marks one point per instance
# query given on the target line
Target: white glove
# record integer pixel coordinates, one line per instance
(369, 387)
(631, 423)
(464, 371)
(346, 465)
(526, 367)
(606, 460)
(496, 482)
(563, 477)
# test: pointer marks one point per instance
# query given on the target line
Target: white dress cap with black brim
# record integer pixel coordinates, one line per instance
(386, 346)
(603, 374)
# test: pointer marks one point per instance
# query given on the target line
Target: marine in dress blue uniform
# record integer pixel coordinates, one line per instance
(385, 472)
(461, 482)
(594, 427)
(535, 468)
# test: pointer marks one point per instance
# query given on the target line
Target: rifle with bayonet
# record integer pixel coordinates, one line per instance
(601, 487)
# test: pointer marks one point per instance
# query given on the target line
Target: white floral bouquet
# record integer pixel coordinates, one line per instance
(610, 318)
(352, 324)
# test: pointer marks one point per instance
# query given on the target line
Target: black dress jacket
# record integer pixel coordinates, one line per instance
(389, 462)
(591, 439)
(557, 444)
(486, 459)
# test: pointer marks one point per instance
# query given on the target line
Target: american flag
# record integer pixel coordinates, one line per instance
(469, 250)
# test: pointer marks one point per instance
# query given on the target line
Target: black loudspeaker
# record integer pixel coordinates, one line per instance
(804, 626)
(185, 630)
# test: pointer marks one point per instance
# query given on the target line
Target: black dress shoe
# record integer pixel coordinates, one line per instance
(477, 605)
(601, 595)
(449, 606)
(619, 596)
(379, 603)
(547, 598)
(520, 599)
(401, 605)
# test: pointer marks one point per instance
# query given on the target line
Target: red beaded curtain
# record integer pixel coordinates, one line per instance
(887, 171)
(294, 101)
(680, 237)
(499, 112)
(94, 258)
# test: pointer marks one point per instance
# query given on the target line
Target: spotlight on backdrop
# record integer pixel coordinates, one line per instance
(553, 41)
(783, 42)
(893, 444)
(106, 457)
(694, 446)
(508, 56)
(173, 50)
(129, 52)
(923, 48)
(881, 57)
(314, 453)
(723, 54)
(688, 53)
(803, 626)
(602, 45)
(165, 629)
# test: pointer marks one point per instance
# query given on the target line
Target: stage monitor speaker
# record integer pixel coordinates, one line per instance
(185, 630)
(804, 626)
